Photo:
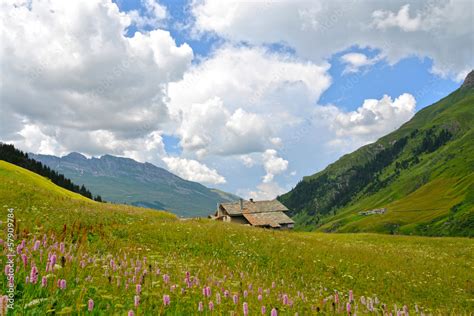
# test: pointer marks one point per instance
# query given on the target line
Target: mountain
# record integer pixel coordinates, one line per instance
(124, 180)
(12, 155)
(421, 175)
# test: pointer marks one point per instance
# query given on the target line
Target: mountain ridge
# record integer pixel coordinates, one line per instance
(124, 180)
(433, 152)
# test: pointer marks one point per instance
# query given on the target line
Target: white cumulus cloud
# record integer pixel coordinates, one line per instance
(273, 164)
(193, 170)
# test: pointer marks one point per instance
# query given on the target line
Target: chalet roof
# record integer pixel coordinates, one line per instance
(252, 207)
(272, 219)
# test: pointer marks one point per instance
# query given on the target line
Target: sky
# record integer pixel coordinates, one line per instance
(244, 96)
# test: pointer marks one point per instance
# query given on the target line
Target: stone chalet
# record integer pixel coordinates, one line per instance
(267, 214)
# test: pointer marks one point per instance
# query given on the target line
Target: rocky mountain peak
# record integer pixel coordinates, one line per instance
(469, 81)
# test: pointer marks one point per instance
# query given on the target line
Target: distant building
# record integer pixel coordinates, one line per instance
(372, 212)
(267, 214)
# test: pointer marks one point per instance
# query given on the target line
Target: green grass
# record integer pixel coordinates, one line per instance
(436, 274)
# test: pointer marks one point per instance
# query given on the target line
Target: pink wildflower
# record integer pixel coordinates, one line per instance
(62, 284)
(131, 313)
(34, 275)
(351, 296)
(348, 308)
(245, 307)
(200, 307)
(285, 299)
(90, 305)
(274, 312)
(24, 258)
(136, 300)
(166, 300)
(235, 299)
(211, 306)
(44, 281)
(138, 289)
(263, 310)
(218, 298)
(37, 245)
(259, 297)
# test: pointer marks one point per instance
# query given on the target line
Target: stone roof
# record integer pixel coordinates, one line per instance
(251, 207)
(272, 219)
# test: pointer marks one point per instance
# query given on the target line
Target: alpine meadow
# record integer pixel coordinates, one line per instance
(209, 157)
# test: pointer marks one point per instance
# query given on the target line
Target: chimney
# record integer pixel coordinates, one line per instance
(241, 205)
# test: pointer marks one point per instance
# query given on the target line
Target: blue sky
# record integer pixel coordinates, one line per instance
(348, 90)
(248, 97)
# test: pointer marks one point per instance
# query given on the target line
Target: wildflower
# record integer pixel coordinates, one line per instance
(24, 258)
(362, 300)
(136, 300)
(348, 308)
(166, 300)
(235, 299)
(207, 291)
(211, 306)
(37, 245)
(131, 313)
(405, 309)
(351, 296)
(259, 297)
(273, 285)
(285, 299)
(166, 278)
(246, 293)
(218, 298)
(90, 305)
(245, 307)
(274, 312)
(260, 290)
(200, 307)
(226, 293)
(138, 289)
(336, 298)
(263, 310)
(62, 284)
(61, 247)
(44, 281)
(34, 275)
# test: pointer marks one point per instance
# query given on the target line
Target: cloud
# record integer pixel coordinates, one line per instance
(264, 191)
(370, 121)
(273, 164)
(316, 30)
(247, 160)
(69, 71)
(236, 101)
(385, 19)
(355, 61)
(153, 17)
(193, 170)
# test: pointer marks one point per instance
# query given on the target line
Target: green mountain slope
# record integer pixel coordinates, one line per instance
(124, 180)
(423, 174)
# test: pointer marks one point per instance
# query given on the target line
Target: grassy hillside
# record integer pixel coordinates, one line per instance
(423, 174)
(104, 251)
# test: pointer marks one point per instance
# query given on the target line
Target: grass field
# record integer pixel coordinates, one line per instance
(129, 259)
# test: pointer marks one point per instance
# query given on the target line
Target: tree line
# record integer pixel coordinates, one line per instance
(14, 156)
